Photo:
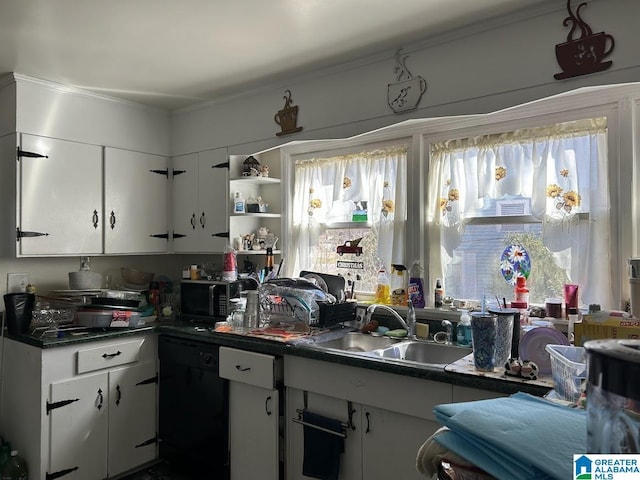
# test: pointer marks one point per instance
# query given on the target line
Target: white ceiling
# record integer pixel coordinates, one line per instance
(173, 53)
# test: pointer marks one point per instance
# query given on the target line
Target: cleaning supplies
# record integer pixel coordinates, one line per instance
(398, 285)
(383, 287)
(416, 285)
(463, 329)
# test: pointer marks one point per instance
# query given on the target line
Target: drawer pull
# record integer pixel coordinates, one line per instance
(100, 399)
(266, 405)
(119, 394)
(242, 369)
(111, 355)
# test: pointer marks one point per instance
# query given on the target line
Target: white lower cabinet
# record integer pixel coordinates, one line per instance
(387, 417)
(254, 413)
(82, 412)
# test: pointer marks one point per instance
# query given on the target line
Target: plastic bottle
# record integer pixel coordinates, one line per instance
(463, 329)
(416, 285)
(398, 285)
(383, 287)
(521, 291)
(438, 294)
(239, 203)
(15, 468)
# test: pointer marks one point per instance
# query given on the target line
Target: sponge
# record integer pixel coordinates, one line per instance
(422, 330)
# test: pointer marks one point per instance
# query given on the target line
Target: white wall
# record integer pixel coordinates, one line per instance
(484, 68)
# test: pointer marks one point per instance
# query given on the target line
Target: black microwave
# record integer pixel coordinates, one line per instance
(210, 300)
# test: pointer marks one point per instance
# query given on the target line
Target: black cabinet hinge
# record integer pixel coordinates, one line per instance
(61, 403)
(59, 473)
(160, 235)
(22, 234)
(221, 234)
(148, 380)
(161, 172)
(178, 235)
(175, 172)
(24, 153)
(151, 441)
(221, 165)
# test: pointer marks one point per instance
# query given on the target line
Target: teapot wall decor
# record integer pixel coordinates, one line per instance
(405, 93)
(287, 118)
(583, 54)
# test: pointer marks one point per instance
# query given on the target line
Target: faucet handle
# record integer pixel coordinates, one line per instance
(449, 327)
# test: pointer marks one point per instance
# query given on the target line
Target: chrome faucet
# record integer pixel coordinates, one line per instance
(409, 325)
(449, 328)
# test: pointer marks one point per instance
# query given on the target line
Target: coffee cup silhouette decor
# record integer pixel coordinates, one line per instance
(287, 118)
(584, 51)
(405, 93)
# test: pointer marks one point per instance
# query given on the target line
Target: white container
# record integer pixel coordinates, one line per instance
(108, 318)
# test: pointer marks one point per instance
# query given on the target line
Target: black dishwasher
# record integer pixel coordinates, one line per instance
(193, 413)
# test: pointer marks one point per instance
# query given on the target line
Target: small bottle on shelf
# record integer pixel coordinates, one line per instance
(521, 291)
(239, 205)
(438, 294)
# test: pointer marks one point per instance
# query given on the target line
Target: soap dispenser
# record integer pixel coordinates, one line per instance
(463, 330)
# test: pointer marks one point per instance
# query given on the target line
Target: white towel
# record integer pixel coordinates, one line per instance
(431, 453)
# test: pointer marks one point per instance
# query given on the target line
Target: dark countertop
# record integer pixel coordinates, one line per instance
(206, 334)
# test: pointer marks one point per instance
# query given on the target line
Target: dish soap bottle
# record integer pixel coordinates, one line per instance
(416, 285)
(463, 330)
(383, 287)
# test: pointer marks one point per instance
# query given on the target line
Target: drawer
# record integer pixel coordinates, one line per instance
(249, 367)
(107, 356)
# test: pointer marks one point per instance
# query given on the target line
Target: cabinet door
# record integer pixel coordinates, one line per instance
(213, 185)
(136, 205)
(60, 197)
(253, 432)
(351, 459)
(390, 443)
(132, 417)
(79, 428)
(186, 213)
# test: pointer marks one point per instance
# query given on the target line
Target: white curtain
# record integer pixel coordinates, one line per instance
(331, 190)
(561, 168)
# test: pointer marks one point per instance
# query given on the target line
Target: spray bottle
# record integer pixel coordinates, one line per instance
(416, 285)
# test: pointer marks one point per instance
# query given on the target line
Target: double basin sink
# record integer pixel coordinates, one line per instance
(397, 349)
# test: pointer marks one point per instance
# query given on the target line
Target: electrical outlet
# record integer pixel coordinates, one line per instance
(17, 282)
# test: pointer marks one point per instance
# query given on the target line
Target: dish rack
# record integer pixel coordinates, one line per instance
(291, 308)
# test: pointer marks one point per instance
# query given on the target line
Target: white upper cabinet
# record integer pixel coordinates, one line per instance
(199, 200)
(136, 206)
(59, 204)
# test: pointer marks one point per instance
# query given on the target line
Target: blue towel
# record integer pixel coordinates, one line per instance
(322, 450)
(523, 436)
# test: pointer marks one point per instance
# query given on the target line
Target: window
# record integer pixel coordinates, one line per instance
(348, 213)
(545, 189)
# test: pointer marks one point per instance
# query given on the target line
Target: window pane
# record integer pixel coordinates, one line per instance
(324, 257)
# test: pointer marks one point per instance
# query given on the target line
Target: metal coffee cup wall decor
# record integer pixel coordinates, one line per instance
(405, 93)
(584, 51)
(287, 118)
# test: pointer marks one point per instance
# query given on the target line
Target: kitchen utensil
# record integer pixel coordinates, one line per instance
(85, 280)
(136, 277)
(18, 308)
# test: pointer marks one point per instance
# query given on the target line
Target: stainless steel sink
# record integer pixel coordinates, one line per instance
(423, 352)
(357, 342)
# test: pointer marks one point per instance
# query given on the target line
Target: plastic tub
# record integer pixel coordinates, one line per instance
(568, 368)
